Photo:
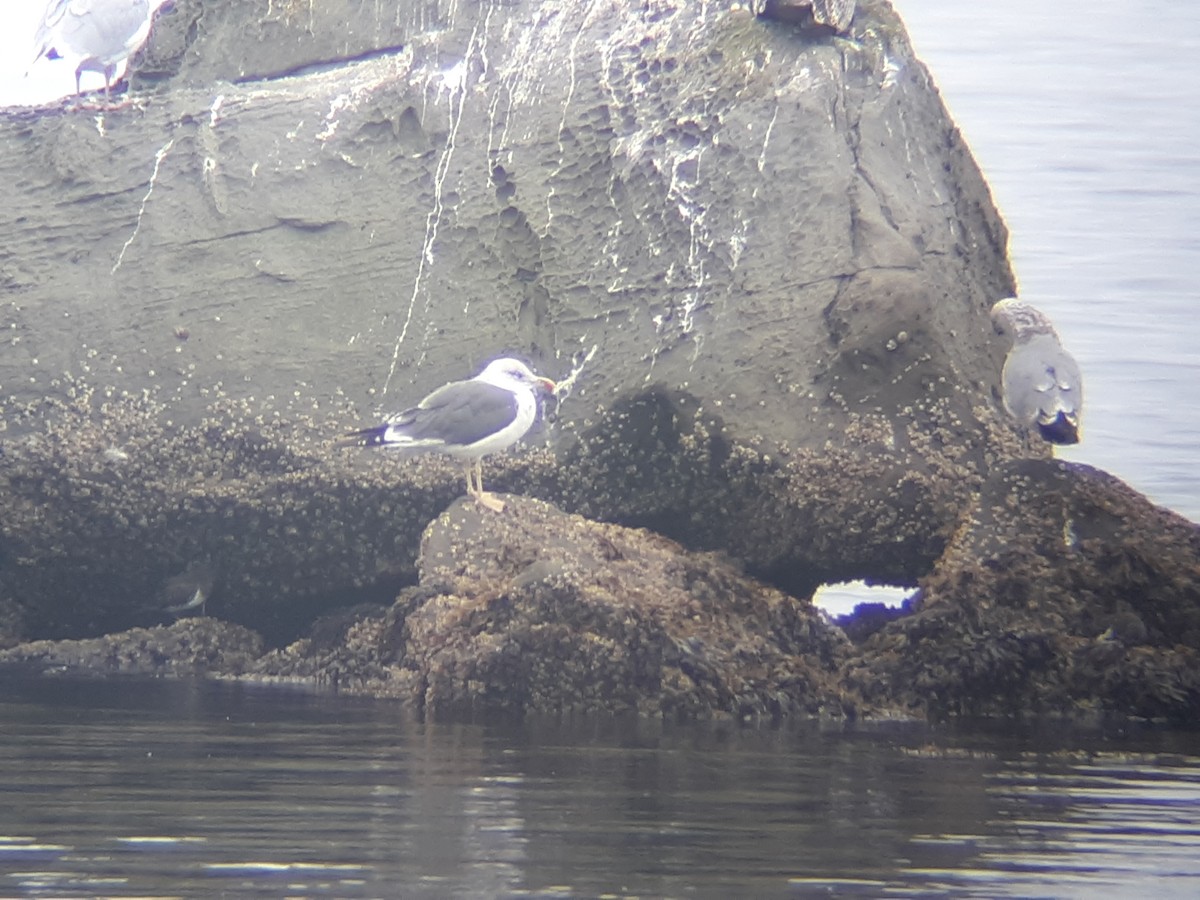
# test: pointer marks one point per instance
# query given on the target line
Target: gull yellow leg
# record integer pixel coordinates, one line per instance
(483, 496)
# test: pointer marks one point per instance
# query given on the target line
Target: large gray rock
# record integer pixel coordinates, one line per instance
(528, 610)
(714, 203)
(760, 260)
(535, 610)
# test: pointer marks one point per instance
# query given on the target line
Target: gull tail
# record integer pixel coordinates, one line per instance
(376, 436)
(1062, 429)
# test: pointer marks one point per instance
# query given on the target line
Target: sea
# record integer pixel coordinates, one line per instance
(140, 788)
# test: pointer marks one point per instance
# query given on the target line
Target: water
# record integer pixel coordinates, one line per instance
(137, 787)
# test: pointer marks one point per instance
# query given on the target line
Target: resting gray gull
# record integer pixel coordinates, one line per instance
(101, 34)
(467, 420)
(1042, 384)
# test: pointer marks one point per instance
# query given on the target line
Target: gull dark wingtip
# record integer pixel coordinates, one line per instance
(1060, 430)
(365, 437)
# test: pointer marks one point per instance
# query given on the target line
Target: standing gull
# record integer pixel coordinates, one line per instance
(101, 34)
(1042, 384)
(467, 420)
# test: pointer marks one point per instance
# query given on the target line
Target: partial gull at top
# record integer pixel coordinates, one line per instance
(1041, 381)
(100, 34)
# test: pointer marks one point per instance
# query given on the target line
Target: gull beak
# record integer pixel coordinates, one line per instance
(547, 385)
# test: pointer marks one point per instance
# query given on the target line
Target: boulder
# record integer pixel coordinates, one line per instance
(528, 610)
(760, 261)
(1065, 593)
(546, 611)
(190, 648)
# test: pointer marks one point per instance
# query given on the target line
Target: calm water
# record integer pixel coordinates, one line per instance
(137, 787)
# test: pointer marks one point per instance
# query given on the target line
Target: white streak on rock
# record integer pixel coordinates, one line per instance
(158, 158)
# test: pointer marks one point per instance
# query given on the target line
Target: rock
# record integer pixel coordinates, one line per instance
(191, 647)
(761, 263)
(1065, 593)
(110, 501)
(821, 16)
(536, 610)
(699, 221)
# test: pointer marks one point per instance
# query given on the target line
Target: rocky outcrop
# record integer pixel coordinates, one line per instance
(189, 648)
(535, 610)
(759, 261)
(530, 610)
(1065, 592)
(109, 502)
(551, 612)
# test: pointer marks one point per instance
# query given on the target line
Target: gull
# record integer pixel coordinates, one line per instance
(467, 420)
(188, 591)
(1041, 380)
(101, 34)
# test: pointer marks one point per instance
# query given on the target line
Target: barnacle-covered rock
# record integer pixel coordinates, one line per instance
(192, 647)
(1065, 592)
(533, 609)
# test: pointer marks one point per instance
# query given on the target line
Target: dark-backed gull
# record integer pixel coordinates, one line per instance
(829, 16)
(467, 420)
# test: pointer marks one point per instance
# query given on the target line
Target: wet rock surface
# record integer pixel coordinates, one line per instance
(541, 610)
(193, 647)
(530, 609)
(112, 502)
(1065, 593)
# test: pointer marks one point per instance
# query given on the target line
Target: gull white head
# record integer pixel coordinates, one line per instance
(513, 375)
(1020, 320)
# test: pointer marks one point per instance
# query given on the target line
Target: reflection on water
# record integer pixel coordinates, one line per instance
(131, 787)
